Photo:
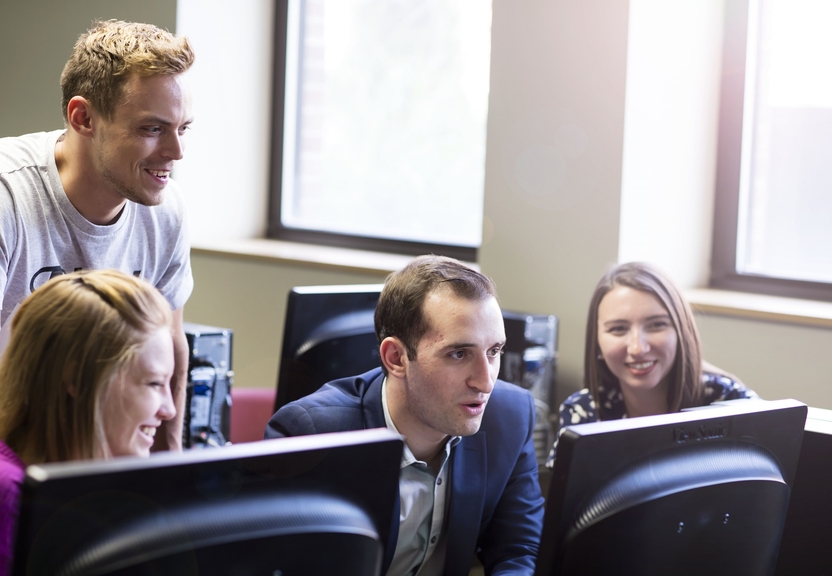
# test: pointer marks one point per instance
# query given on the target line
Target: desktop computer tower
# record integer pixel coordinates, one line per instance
(208, 399)
(530, 361)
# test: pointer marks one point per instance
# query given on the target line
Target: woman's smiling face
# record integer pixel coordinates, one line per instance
(637, 339)
(139, 398)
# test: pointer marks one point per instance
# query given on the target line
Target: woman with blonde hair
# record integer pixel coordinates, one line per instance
(86, 374)
(643, 355)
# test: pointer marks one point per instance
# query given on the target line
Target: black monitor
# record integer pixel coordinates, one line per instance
(329, 334)
(318, 504)
(806, 547)
(703, 491)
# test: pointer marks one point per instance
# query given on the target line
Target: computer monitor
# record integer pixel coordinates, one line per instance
(703, 491)
(318, 504)
(806, 547)
(328, 334)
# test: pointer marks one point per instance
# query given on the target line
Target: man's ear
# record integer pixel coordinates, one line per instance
(79, 115)
(393, 356)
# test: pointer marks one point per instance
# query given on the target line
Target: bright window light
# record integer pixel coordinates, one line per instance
(385, 118)
(785, 205)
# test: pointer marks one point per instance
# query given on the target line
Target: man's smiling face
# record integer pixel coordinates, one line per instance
(136, 149)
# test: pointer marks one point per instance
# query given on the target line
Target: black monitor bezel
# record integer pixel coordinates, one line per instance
(305, 312)
(361, 467)
(598, 451)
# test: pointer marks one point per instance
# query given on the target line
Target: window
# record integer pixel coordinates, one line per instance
(773, 214)
(379, 124)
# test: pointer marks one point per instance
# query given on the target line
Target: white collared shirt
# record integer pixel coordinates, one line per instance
(423, 498)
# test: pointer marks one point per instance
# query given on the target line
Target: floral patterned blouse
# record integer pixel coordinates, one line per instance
(580, 407)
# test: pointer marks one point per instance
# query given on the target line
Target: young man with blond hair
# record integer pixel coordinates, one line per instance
(468, 481)
(98, 194)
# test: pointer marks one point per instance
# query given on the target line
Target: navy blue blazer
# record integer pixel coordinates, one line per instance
(495, 508)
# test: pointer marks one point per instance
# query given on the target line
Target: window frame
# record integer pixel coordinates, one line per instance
(276, 229)
(724, 274)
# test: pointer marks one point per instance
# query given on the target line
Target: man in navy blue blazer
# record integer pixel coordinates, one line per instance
(468, 482)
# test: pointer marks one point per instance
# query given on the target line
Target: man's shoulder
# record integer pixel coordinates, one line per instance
(336, 406)
(342, 392)
(164, 224)
(170, 212)
(510, 408)
(510, 395)
(29, 150)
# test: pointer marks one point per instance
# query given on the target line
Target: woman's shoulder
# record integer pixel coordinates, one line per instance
(580, 397)
(724, 387)
(12, 471)
(11, 476)
(11, 466)
(578, 408)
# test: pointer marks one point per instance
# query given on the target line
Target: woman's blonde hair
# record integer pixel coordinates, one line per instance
(69, 339)
(685, 378)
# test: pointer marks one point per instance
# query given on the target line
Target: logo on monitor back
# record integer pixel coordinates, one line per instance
(709, 431)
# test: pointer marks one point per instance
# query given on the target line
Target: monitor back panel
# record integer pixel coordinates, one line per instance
(806, 547)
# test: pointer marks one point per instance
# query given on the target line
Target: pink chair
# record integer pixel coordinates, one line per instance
(251, 409)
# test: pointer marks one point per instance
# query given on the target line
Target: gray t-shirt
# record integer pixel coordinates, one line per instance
(43, 235)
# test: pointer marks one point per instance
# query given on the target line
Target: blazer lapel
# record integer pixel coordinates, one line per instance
(373, 415)
(468, 473)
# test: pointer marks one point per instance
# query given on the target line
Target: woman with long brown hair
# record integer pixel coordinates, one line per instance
(643, 355)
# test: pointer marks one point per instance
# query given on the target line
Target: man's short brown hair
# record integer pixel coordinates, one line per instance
(112, 51)
(400, 311)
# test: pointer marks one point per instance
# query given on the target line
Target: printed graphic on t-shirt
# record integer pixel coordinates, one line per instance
(48, 272)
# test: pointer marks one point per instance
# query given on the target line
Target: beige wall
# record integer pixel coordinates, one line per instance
(777, 360)
(249, 296)
(557, 90)
(558, 81)
(36, 39)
